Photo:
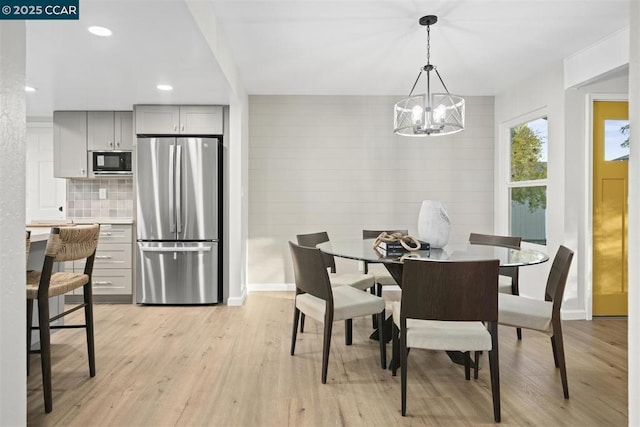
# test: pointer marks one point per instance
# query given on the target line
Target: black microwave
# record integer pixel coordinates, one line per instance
(110, 163)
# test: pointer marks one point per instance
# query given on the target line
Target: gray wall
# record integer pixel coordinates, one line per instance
(333, 163)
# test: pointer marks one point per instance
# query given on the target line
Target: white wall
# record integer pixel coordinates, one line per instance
(634, 218)
(543, 93)
(568, 183)
(578, 175)
(235, 156)
(333, 163)
(13, 401)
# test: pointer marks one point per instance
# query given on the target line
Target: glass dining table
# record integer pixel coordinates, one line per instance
(363, 250)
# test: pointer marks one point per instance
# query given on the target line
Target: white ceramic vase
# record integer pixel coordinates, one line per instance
(434, 223)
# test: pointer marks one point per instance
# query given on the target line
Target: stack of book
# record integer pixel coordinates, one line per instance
(389, 249)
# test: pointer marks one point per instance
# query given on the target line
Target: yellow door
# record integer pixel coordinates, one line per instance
(610, 192)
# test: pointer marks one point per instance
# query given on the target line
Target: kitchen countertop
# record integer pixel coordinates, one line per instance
(102, 220)
(39, 234)
(40, 229)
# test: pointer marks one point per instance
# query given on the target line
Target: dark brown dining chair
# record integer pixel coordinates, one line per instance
(354, 280)
(64, 244)
(316, 298)
(543, 315)
(512, 285)
(443, 307)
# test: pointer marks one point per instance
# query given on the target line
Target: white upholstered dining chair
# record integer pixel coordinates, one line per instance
(443, 307)
(354, 280)
(542, 315)
(316, 298)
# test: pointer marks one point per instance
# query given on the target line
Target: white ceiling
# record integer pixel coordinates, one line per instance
(481, 47)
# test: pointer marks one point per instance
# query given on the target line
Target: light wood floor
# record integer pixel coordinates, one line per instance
(230, 366)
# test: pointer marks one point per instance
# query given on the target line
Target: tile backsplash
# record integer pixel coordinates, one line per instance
(83, 198)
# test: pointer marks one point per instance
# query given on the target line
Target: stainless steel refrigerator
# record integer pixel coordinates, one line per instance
(178, 220)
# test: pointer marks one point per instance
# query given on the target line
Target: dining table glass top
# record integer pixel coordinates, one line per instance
(362, 249)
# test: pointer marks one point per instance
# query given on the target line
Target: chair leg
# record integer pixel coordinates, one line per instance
(294, 334)
(379, 289)
(374, 318)
(467, 365)
(555, 352)
(45, 352)
(403, 372)
(88, 321)
(348, 331)
(557, 337)
(29, 325)
(395, 349)
(515, 290)
(383, 345)
(494, 368)
(325, 350)
(301, 323)
(476, 367)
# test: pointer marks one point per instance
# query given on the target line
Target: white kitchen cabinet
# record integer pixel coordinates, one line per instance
(178, 120)
(200, 120)
(109, 130)
(112, 267)
(70, 144)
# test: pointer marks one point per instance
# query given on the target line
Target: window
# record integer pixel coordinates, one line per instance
(616, 140)
(528, 181)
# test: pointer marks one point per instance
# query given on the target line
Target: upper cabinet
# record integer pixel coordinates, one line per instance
(109, 130)
(178, 120)
(70, 144)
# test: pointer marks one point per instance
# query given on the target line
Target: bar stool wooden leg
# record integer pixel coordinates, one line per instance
(45, 352)
(29, 325)
(88, 319)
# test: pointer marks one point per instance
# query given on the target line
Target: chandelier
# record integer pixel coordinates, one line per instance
(429, 114)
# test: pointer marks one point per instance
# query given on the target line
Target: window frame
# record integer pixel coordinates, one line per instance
(503, 199)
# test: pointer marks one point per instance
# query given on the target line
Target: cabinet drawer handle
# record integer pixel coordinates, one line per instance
(175, 127)
(118, 144)
(105, 282)
(103, 256)
(105, 234)
(182, 129)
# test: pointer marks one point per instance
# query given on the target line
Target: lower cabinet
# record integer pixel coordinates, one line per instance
(112, 268)
(116, 281)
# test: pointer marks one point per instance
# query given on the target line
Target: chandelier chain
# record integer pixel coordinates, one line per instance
(428, 44)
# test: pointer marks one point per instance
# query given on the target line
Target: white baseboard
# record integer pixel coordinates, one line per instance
(573, 314)
(237, 301)
(271, 287)
(290, 287)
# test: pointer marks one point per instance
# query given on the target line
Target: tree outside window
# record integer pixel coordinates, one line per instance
(528, 183)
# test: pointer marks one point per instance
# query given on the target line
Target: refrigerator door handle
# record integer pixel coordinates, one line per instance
(175, 249)
(172, 222)
(179, 189)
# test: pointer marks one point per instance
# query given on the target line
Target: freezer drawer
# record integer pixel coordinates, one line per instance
(177, 273)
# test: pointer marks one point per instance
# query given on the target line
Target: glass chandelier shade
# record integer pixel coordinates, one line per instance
(429, 114)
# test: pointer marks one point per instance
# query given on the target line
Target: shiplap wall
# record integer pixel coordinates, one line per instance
(332, 163)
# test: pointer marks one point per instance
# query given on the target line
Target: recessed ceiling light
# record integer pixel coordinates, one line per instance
(100, 31)
(165, 87)
(29, 89)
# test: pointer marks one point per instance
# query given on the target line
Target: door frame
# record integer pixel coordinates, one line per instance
(590, 98)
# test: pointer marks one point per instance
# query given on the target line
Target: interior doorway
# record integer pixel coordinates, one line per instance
(46, 195)
(610, 194)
